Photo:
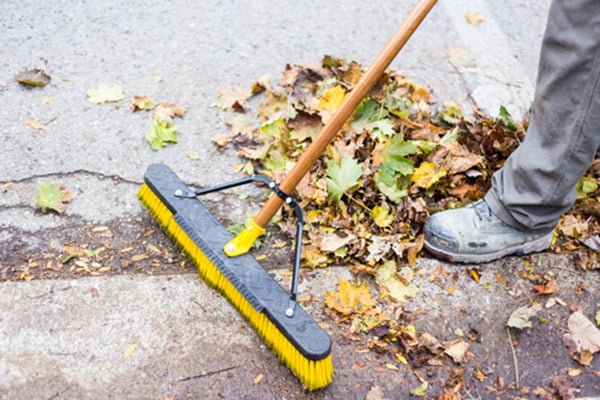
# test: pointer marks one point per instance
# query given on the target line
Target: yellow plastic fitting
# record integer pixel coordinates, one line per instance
(241, 243)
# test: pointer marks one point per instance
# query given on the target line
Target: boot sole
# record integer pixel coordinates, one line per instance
(535, 246)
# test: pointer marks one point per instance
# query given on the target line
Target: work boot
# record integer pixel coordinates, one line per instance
(474, 234)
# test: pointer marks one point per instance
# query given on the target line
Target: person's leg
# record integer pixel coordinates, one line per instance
(536, 185)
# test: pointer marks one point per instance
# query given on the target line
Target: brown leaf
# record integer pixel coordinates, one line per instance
(375, 393)
(430, 342)
(35, 124)
(583, 333)
(33, 77)
(141, 103)
(233, 99)
(221, 140)
(334, 241)
(457, 350)
(460, 159)
(474, 18)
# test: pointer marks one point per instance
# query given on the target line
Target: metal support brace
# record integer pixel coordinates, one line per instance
(288, 200)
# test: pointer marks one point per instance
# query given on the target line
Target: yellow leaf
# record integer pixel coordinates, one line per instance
(391, 366)
(130, 350)
(402, 358)
(350, 298)
(381, 216)
(399, 289)
(420, 390)
(258, 378)
(426, 175)
(474, 18)
(332, 98)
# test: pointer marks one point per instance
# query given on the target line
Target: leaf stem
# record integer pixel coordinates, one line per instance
(514, 354)
(359, 202)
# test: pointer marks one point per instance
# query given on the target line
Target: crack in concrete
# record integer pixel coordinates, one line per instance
(68, 174)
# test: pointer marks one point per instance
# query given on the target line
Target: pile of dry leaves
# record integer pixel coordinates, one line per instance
(397, 161)
(394, 163)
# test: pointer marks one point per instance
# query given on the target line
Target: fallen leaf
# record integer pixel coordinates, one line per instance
(332, 98)
(474, 274)
(142, 103)
(233, 99)
(375, 393)
(583, 333)
(33, 77)
(520, 317)
(105, 93)
(52, 197)
(474, 18)
(161, 134)
(130, 351)
(350, 298)
(258, 378)
(457, 350)
(333, 241)
(426, 175)
(381, 216)
(431, 343)
(548, 287)
(221, 140)
(342, 177)
(398, 289)
(420, 390)
(35, 124)
(165, 112)
(460, 57)
(585, 186)
(391, 366)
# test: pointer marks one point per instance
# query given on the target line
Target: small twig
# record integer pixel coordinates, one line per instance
(580, 273)
(59, 394)
(514, 354)
(360, 203)
(5, 85)
(204, 374)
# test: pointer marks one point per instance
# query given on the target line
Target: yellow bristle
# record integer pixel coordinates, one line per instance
(313, 374)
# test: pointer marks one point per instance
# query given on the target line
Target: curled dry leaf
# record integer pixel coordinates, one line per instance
(474, 18)
(520, 318)
(233, 99)
(583, 333)
(35, 124)
(457, 350)
(33, 77)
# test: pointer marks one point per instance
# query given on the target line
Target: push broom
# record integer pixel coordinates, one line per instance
(222, 260)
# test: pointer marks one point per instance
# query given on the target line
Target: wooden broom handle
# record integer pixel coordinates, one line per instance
(341, 115)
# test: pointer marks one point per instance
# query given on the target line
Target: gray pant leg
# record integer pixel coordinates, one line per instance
(537, 183)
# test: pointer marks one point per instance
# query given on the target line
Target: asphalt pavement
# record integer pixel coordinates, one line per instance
(169, 335)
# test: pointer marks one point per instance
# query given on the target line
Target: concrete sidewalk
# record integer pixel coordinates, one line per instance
(170, 336)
